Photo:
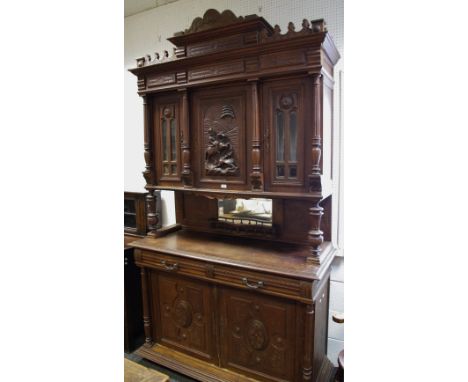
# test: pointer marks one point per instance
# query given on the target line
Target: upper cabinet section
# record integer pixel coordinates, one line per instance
(240, 108)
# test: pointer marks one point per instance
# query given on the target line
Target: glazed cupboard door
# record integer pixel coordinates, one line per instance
(286, 126)
(184, 315)
(258, 335)
(167, 133)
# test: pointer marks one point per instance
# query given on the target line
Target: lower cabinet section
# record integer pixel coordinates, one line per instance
(224, 333)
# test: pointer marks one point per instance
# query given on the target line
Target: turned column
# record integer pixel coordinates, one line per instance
(152, 217)
(146, 309)
(185, 140)
(315, 183)
(315, 234)
(148, 140)
(307, 361)
(256, 176)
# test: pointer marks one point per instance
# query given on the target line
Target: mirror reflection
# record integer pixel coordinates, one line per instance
(255, 211)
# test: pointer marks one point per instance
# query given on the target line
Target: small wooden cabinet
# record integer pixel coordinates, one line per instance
(238, 123)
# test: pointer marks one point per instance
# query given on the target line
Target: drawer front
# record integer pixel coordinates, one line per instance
(263, 282)
(172, 264)
(228, 275)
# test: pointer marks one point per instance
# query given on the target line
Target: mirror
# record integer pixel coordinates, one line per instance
(255, 211)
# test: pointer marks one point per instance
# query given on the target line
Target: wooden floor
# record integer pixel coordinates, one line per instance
(174, 377)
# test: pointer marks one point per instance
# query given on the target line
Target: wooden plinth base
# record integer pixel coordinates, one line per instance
(190, 366)
(207, 372)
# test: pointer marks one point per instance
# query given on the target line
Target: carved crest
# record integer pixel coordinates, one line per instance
(221, 135)
(213, 19)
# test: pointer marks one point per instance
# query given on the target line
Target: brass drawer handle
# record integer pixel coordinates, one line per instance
(259, 284)
(169, 267)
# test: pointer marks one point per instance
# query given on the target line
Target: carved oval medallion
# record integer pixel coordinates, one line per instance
(182, 313)
(286, 102)
(257, 336)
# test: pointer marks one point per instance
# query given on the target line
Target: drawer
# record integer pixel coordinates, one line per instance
(173, 264)
(264, 282)
(227, 275)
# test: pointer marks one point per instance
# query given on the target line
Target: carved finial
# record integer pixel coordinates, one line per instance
(319, 25)
(148, 57)
(140, 62)
(166, 53)
(156, 56)
(291, 27)
(277, 29)
(305, 24)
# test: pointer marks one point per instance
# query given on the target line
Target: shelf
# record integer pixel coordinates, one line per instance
(251, 254)
(243, 193)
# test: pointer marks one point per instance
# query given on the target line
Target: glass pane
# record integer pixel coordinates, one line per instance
(279, 136)
(280, 171)
(293, 137)
(164, 139)
(174, 169)
(292, 171)
(129, 205)
(166, 169)
(253, 211)
(130, 221)
(173, 140)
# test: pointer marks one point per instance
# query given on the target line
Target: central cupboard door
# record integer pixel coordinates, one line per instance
(258, 335)
(221, 121)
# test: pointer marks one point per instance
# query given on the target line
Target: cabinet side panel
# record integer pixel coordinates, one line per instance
(321, 328)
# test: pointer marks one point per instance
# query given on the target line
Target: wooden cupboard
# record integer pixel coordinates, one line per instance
(238, 123)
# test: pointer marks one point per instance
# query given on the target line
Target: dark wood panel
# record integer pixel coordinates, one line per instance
(258, 335)
(184, 315)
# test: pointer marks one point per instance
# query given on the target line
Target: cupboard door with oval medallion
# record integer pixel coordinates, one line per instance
(184, 312)
(258, 335)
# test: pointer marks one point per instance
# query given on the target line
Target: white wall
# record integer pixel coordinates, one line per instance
(146, 33)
